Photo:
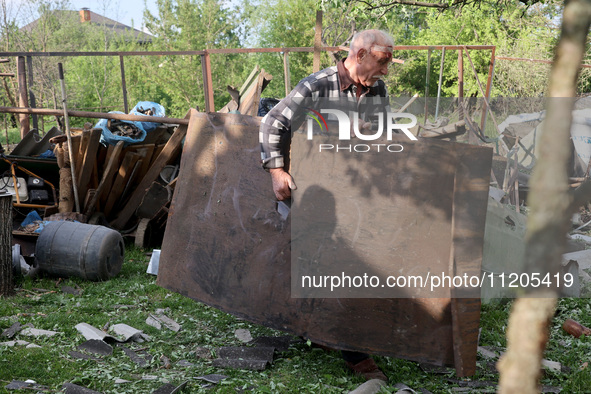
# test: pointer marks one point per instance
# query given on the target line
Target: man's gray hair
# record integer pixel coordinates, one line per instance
(367, 38)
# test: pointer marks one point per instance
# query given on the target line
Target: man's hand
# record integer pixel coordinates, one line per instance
(283, 183)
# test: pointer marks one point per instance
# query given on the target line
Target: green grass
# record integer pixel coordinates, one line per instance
(133, 294)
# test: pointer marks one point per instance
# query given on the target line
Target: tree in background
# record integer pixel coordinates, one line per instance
(514, 30)
(281, 24)
(192, 25)
(93, 83)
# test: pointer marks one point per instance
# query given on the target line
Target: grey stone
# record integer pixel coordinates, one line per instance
(370, 387)
(71, 388)
(71, 290)
(170, 389)
(212, 378)
(12, 330)
(128, 332)
(203, 352)
(243, 335)
(255, 365)
(484, 352)
(153, 322)
(96, 346)
(166, 389)
(82, 356)
(35, 332)
(90, 332)
(280, 343)
(13, 343)
(164, 320)
(141, 357)
(247, 353)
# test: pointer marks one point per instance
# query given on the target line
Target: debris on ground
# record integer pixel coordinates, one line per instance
(575, 328)
(255, 358)
(158, 319)
(243, 335)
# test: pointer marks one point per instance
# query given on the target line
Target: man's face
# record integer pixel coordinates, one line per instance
(373, 64)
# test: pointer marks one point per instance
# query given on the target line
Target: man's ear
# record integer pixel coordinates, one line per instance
(361, 54)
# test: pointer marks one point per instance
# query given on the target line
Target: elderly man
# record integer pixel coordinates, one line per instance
(357, 76)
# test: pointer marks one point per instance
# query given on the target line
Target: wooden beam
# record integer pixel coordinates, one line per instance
(120, 181)
(461, 80)
(106, 179)
(88, 162)
(491, 72)
(317, 41)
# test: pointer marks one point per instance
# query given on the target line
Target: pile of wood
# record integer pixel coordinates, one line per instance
(114, 181)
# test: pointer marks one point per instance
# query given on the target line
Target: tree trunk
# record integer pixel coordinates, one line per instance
(6, 285)
(551, 207)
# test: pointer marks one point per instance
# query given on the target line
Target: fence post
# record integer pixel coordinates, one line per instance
(32, 99)
(317, 41)
(6, 280)
(123, 84)
(23, 101)
(207, 82)
(286, 73)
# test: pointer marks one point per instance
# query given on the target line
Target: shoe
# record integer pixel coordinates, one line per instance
(368, 369)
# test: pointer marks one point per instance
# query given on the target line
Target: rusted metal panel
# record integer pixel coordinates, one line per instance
(227, 246)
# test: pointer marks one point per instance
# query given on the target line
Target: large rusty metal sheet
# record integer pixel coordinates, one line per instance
(227, 246)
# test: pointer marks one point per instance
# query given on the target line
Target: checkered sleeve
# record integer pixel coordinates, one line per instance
(277, 126)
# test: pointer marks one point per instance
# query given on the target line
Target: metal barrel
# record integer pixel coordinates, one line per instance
(76, 249)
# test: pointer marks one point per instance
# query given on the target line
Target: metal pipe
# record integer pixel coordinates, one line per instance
(96, 115)
(491, 73)
(439, 85)
(235, 50)
(427, 85)
(69, 137)
(286, 72)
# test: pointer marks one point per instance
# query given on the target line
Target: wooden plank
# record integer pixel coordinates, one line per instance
(85, 136)
(125, 170)
(249, 80)
(157, 150)
(108, 183)
(169, 152)
(134, 179)
(147, 153)
(84, 142)
(318, 42)
(105, 162)
(88, 163)
(107, 178)
(249, 103)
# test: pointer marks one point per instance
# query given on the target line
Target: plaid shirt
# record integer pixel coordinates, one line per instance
(276, 126)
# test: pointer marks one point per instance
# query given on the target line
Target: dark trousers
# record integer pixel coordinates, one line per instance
(354, 357)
